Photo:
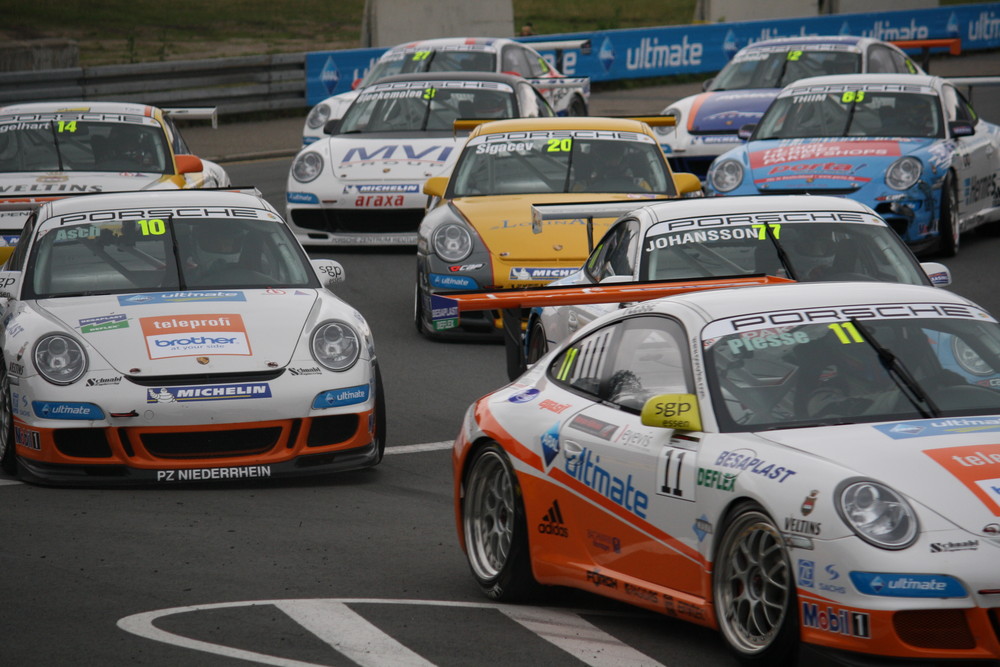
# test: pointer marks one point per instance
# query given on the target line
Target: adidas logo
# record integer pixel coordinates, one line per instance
(552, 522)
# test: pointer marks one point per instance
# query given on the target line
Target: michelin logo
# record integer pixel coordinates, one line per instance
(208, 393)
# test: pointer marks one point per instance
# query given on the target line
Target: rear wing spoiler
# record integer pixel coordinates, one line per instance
(562, 82)
(193, 113)
(586, 211)
(953, 44)
(561, 46)
(445, 309)
(469, 124)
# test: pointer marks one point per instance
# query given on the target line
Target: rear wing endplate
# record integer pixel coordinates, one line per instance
(194, 113)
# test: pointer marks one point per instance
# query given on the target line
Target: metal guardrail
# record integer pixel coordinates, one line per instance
(233, 85)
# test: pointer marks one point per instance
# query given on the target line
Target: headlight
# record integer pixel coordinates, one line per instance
(307, 166)
(318, 116)
(336, 345)
(903, 173)
(60, 359)
(452, 242)
(669, 129)
(877, 514)
(726, 175)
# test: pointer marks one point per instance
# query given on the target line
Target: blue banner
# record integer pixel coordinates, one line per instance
(696, 49)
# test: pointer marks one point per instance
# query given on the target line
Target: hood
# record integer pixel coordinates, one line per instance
(825, 164)
(951, 465)
(66, 183)
(504, 224)
(164, 333)
(354, 159)
(728, 110)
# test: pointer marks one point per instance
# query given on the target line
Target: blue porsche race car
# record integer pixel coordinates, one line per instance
(909, 146)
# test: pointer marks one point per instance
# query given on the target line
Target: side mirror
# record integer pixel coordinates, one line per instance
(331, 126)
(961, 128)
(10, 283)
(939, 274)
(188, 164)
(687, 184)
(706, 83)
(355, 84)
(435, 187)
(676, 411)
(746, 131)
(330, 271)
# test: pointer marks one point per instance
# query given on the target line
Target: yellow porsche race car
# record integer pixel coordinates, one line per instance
(478, 232)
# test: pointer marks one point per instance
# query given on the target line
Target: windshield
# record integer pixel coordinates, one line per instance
(846, 112)
(156, 254)
(413, 106)
(853, 367)
(776, 69)
(81, 145)
(803, 251)
(438, 60)
(561, 161)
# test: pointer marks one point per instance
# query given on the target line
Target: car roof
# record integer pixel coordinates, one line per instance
(509, 79)
(748, 204)
(80, 106)
(561, 123)
(752, 300)
(807, 40)
(862, 79)
(152, 199)
(487, 43)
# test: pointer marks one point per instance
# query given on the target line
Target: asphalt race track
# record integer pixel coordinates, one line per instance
(358, 568)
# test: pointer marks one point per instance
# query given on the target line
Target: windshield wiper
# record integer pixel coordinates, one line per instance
(782, 255)
(55, 142)
(899, 373)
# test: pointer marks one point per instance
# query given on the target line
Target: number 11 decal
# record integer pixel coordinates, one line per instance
(676, 474)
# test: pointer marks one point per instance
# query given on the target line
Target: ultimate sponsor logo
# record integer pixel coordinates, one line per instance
(836, 620)
(193, 335)
(908, 585)
(103, 323)
(27, 438)
(205, 474)
(301, 198)
(180, 297)
(586, 468)
(54, 410)
(552, 523)
(201, 393)
(975, 466)
(927, 428)
(340, 397)
(445, 281)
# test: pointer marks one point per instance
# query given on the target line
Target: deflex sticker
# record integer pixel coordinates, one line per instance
(976, 466)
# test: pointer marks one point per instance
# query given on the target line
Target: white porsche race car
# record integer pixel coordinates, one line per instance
(803, 238)
(56, 149)
(805, 463)
(363, 183)
(179, 337)
(569, 96)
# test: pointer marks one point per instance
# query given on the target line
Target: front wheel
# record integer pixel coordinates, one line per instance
(577, 107)
(948, 225)
(496, 534)
(378, 434)
(754, 590)
(8, 459)
(537, 343)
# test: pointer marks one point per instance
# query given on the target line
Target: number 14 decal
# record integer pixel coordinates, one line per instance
(676, 471)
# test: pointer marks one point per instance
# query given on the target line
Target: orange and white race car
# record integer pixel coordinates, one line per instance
(801, 464)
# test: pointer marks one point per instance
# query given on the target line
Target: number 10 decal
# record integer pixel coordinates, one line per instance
(676, 472)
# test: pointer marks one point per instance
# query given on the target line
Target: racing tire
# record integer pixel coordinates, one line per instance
(8, 457)
(380, 417)
(577, 107)
(537, 344)
(948, 225)
(496, 534)
(418, 309)
(754, 590)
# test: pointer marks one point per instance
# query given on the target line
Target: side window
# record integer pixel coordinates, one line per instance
(16, 260)
(616, 254)
(880, 59)
(536, 64)
(513, 60)
(179, 146)
(627, 362)
(955, 105)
